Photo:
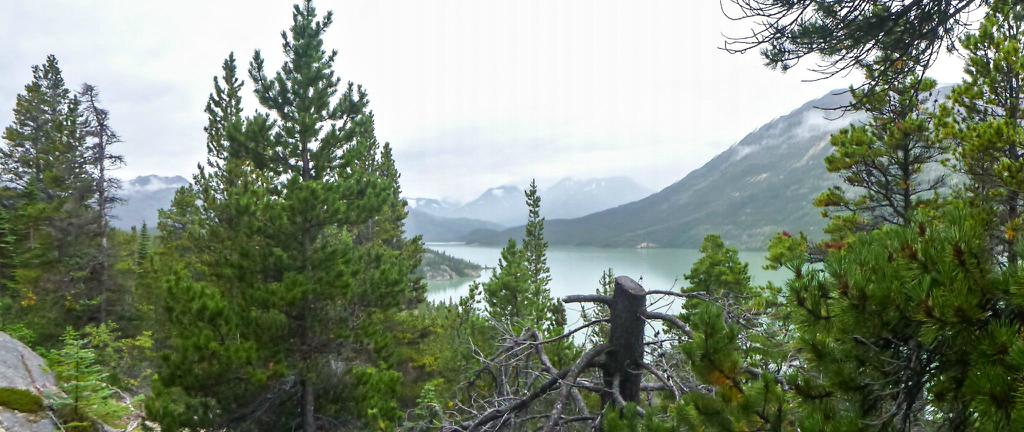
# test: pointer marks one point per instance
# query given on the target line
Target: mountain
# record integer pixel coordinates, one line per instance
(572, 198)
(432, 206)
(568, 198)
(503, 205)
(763, 184)
(143, 196)
(443, 229)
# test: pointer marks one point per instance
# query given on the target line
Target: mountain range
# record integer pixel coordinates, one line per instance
(567, 198)
(437, 221)
(763, 184)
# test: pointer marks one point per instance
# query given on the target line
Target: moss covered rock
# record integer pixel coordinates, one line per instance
(20, 400)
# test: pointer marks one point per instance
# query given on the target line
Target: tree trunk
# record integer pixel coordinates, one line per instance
(101, 191)
(308, 415)
(623, 361)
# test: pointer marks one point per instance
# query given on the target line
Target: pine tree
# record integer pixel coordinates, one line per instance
(848, 34)
(296, 237)
(736, 348)
(206, 259)
(906, 330)
(7, 264)
(985, 120)
(506, 293)
(915, 327)
(535, 249)
(606, 287)
(884, 159)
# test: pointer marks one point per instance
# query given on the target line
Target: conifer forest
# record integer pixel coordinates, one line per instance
(283, 288)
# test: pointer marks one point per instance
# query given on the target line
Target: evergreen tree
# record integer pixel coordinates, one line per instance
(906, 330)
(142, 246)
(506, 293)
(298, 244)
(848, 34)
(535, 249)
(45, 168)
(883, 160)
(97, 128)
(87, 397)
(205, 378)
(985, 120)
(517, 295)
(737, 347)
(606, 287)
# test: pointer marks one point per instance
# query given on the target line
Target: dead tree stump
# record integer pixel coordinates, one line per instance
(623, 363)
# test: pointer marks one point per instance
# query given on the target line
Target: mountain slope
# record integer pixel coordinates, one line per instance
(571, 198)
(443, 229)
(143, 197)
(432, 206)
(763, 184)
(503, 205)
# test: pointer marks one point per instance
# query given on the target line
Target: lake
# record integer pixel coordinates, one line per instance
(577, 270)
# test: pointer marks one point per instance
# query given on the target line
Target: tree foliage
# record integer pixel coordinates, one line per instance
(984, 120)
(849, 34)
(883, 161)
(290, 254)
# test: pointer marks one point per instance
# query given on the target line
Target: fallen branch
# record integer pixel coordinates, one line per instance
(523, 403)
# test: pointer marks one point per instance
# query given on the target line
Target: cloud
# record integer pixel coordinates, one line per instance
(470, 93)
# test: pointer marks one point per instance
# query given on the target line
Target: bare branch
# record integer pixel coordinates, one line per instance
(522, 403)
(675, 322)
(588, 298)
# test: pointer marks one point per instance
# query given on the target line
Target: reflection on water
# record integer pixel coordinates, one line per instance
(576, 270)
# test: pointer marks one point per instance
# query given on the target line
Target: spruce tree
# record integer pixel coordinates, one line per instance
(96, 126)
(517, 295)
(45, 168)
(87, 397)
(142, 246)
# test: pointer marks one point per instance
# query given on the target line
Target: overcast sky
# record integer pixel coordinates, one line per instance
(471, 93)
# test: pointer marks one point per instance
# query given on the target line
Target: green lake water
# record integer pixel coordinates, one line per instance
(576, 270)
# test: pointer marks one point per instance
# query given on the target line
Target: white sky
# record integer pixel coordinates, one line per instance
(471, 94)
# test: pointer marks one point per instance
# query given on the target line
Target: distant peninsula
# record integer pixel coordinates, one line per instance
(438, 266)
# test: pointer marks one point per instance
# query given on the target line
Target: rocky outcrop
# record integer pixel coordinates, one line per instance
(24, 381)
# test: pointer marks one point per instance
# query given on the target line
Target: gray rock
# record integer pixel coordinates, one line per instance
(13, 421)
(23, 369)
